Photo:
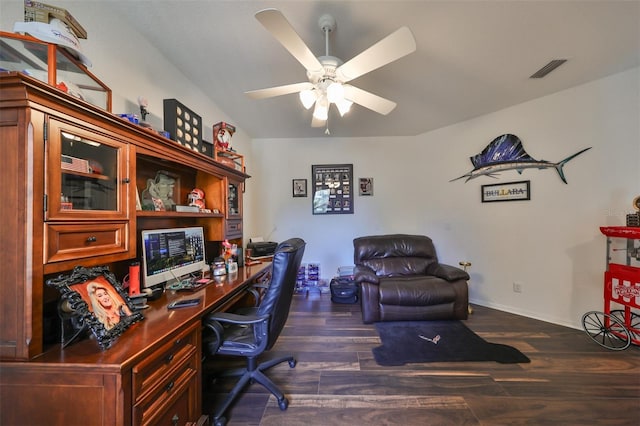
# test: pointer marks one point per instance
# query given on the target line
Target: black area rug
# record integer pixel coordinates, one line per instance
(437, 341)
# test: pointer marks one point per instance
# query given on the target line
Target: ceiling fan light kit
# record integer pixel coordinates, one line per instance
(321, 111)
(327, 74)
(308, 98)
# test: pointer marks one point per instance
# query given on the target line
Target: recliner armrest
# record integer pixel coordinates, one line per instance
(362, 273)
(447, 272)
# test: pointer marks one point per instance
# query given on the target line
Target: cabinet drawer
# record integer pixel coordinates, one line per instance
(66, 242)
(174, 403)
(156, 370)
(234, 228)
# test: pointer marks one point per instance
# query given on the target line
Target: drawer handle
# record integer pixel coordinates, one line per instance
(175, 419)
(126, 180)
(177, 342)
(92, 239)
(170, 358)
(170, 386)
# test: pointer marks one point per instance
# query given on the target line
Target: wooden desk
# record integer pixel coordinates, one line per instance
(151, 375)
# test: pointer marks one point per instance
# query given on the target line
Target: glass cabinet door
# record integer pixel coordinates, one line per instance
(87, 174)
(234, 200)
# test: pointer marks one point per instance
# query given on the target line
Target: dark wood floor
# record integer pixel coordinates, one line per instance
(570, 380)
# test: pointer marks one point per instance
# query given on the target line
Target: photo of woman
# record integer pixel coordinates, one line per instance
(106, 305)
(93, 299)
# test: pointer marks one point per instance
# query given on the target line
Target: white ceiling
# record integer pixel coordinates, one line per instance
(472, 57)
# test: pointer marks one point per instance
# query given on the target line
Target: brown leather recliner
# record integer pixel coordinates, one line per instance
(402, 280)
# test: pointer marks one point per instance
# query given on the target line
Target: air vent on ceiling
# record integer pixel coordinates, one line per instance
(555, 63)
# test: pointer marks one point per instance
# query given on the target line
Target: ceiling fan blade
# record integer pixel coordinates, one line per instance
(275, 22)
(393, 47)
(368, 100)
(278, 90)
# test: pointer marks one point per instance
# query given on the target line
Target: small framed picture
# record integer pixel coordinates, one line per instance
(366, 186)
(92, 299)
(299, 187)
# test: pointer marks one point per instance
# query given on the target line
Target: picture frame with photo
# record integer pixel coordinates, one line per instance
(93, 300)
(299, 187)
(366, 186)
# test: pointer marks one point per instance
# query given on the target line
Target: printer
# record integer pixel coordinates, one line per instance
(262, 248)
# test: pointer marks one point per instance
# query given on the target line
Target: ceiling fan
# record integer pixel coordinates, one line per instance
(328, 76)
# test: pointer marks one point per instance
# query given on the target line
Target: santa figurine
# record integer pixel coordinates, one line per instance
(222, 133)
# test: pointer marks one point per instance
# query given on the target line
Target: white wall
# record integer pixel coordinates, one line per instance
(551, 244)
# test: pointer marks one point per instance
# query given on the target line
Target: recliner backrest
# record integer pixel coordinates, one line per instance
(277, 298)
(395, 254)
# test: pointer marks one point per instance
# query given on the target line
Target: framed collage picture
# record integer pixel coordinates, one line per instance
(332, 187)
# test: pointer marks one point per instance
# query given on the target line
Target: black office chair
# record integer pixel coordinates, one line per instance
(251, 331)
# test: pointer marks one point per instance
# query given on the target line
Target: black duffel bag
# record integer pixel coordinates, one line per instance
(344, 290)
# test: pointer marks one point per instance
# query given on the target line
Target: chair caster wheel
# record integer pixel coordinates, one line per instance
(292, 363)
(220, 422)
(283, 404)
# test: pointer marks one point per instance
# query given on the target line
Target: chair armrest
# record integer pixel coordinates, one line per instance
(447, 272)
(213, 330)
(257, 290)
(228, 317)
(362, 273)
(212, 335)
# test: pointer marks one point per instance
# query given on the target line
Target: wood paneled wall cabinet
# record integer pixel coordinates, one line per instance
(71, 174)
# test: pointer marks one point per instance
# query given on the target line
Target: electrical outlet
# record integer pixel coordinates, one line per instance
(517, 286)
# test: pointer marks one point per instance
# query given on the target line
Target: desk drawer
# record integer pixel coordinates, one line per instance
(175, 400)
(166, 383)
(152, 373)
(66, 242)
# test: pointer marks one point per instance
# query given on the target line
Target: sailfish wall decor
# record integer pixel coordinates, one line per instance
(507, 153)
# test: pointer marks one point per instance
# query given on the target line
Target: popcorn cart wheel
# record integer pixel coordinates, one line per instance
(617, 329)
(606, 330)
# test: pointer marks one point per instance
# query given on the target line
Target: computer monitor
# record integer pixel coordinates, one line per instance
(170, 254)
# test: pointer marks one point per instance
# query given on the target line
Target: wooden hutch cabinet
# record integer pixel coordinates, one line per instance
(71, 176)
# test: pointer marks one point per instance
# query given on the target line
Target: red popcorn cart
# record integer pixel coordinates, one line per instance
(619, 325)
